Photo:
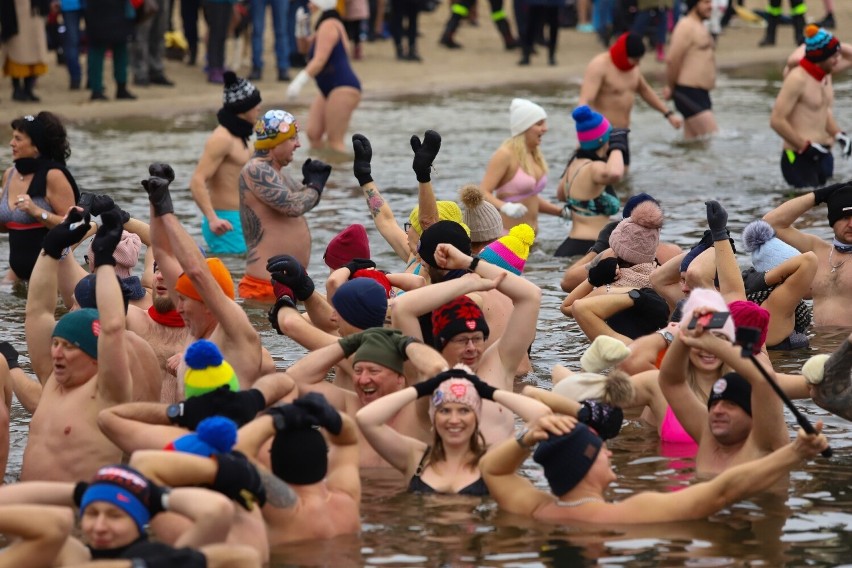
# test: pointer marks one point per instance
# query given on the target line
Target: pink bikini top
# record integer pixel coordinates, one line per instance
(520, 187)
(671, 430)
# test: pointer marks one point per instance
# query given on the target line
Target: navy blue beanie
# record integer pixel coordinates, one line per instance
(567, 458)
(361, 302)
(634, 201)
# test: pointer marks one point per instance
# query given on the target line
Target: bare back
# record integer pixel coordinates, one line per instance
(317, 515)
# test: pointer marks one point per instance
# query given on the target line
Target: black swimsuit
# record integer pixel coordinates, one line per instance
(417, 485)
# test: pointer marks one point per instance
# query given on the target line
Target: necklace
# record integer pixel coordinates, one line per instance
(578, 502)
(834, 267)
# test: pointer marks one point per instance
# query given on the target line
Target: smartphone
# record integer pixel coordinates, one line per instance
(710, 321)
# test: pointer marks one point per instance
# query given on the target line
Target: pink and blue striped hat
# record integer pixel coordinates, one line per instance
(592, 128)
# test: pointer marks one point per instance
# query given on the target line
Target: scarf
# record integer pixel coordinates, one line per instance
(636, 276)
(618, 53)
(169, 319)
(841, 247)
(238, 127)
(813, 69)
(40, 167)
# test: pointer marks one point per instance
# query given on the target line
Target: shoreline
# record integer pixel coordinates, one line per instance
(481, 64)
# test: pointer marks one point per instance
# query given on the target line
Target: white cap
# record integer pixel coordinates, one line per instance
(324, 5)
(523, 113)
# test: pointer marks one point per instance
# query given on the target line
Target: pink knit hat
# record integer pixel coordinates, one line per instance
(701, 298)
(461, 391)
(749, 314)
(126, 254)
(635, 239)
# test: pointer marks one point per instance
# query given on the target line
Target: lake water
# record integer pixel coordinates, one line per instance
(739, 167)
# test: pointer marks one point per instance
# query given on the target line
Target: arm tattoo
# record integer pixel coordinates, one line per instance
(278, 493)
(279, 191)
(374, 201)
(252, 228)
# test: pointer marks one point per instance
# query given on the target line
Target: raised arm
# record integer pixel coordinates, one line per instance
(425, 153)
(591, 313)
(690, 412)
(277, 190)
(211, 514)
(401, 451)
(730, 279)
(782, 218)
(42, 530)
(138, 426)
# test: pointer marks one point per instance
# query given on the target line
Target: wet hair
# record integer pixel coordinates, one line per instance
(47, 134)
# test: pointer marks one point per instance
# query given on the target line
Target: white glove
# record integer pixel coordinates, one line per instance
(297, 83)
(303, 23)
(845, 144)
(513, 210)
(566, 216)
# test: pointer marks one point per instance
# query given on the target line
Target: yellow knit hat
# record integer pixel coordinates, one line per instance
(206, 370)
(447, 211)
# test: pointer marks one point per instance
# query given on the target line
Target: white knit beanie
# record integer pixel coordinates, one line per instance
(524, 113)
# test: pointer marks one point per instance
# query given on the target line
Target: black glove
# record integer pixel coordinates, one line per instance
(239, 480)
(602, 243)
(717, 220)
(754, 281)
(363, 155)
(10, 354)
(618, 139)
(63, 235)
(155, 498)
(483, 389)
(285, 269)
(107, 237)
(161, 170)
(424, 154)
(357, 264)
(241, 407)
(427, 387)
(158, 195)
(324, 413)
(99, 204)
(283, 297)
(822, 194)
(603, 272)
(646, 297)
(315, 174)
(291, 417)
(605, 419)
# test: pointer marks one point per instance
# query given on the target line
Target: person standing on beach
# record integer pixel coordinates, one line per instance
(612, 80)
(273, 204)
(691, 70)
(802, 113)
(214, 183)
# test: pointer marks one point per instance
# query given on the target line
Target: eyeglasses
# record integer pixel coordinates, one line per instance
(463, 341)
(406, 226)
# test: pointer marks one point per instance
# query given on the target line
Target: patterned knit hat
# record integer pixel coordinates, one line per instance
(636, 238)
(273, 128)
(457, 316)
(123, 487)
(511, 252)
(460, 391)
(351, 242)
(523, 114)
(447, 211)
(820, 45)
(206, 369)
(767, 250)
(567, 458)
(240, 95)
(592, 128)
(480, 216)
(80, 328)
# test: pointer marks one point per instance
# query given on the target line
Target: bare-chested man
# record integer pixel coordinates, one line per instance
(612, 80)
(802, 114)
(272, 203)
(81, 361)
(832, 286)
(214, 182)
(202, 290)
(691, 70)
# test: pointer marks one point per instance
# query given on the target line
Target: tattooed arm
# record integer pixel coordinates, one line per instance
(276, 189)
(834, 392)
(385, 221)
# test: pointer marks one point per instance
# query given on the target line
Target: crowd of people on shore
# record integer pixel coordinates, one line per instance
(162, 426)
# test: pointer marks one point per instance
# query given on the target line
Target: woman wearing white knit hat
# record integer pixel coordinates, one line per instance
(517, 172)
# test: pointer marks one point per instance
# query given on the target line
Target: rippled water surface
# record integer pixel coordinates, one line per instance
(739, 168)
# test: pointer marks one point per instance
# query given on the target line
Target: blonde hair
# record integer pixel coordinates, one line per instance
(517, 145)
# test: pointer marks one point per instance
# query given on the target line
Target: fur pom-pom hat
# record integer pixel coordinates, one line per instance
(636, 238)
(767, 250)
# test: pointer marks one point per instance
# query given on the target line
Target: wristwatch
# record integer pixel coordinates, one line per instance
(520, 439)
(473, 264)
(667, 335)
(634, 294)
(44, 215)
(174, 411)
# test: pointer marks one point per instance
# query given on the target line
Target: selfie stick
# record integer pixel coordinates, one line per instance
(746, 338)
